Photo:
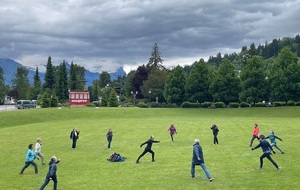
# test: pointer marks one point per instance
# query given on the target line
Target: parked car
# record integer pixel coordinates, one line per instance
(23, 104)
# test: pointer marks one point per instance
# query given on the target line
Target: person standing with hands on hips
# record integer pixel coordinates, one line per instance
(109, 137)
(198, 159)
(74, 136)
(149, 143)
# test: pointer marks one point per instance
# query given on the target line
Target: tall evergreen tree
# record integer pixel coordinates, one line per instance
(49, 84)
(104, 79)
(155, 60)
(37, 85)
(113, 100)
(62, 89)
(174, 88)
(21, 83)
(3, 90)
(138, 79)
(77, 77)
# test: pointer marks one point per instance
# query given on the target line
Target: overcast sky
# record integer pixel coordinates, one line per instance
(102, 35)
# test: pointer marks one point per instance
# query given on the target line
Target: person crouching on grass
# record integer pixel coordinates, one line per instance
(266, 148)
(51, 175)
(149, 143)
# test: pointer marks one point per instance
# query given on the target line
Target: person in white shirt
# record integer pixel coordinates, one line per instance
(38, 148)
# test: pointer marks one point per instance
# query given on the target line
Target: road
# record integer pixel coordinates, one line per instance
(7, 107)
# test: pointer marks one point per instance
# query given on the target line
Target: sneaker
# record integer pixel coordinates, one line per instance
(137, 162)
(278, 169)
(193, 177)
(260, 168)
(153, 160)
(282, 153)
(210, 180)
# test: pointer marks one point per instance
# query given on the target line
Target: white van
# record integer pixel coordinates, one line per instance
(23, 104)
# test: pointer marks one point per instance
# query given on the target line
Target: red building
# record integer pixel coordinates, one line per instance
(79, 98)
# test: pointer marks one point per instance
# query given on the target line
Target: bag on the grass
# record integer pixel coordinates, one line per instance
(115, 157)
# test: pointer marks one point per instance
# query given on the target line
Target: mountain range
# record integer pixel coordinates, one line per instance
(10, 66)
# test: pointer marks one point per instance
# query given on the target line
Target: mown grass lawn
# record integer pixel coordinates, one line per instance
(232, 164)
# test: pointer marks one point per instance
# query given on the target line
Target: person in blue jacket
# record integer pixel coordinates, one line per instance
(198, 159)
(272, 138)
(51, 175)
(30, 156)
(266, 148)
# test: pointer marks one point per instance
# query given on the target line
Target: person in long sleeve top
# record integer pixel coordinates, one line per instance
(109, 137)
(172, 131)
(38, 148)
(30, 156)
(255, 134)
(272, 138)
(51, 175)
(198, 159)
(149, 143)
(74, 136)
(266, 148)
(215, 131)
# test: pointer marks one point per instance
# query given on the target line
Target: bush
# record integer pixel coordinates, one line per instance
(297, 103)
(205, 104)
(171, 105)
(142, 105)
(234, 105)
(279, 103)
(220, 105)
(259, 104)
(245, 105)
(291, 103)
(189, 105)
(154, 105)
(163, 105)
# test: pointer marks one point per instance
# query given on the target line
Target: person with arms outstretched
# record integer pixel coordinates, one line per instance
(272, 138)
(149, 143)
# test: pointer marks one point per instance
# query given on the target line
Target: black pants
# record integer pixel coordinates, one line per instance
(109, 142)
(54, 178)
(267, 155)
(216, 139)
(145, 151)
(27, 164)
(74, 143)
(252, 139)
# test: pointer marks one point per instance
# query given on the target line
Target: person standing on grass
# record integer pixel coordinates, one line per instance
(74, 136)
(149, 143)
(109, 137)
(215, 131)
(172, 131)
(266, 148)
(51, 175)
(255, 134)
(38, 147)
(272, 138)
(30, 156)
(198, 159)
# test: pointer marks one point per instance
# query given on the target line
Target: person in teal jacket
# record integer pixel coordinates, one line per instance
(30, 156)
(272, 138)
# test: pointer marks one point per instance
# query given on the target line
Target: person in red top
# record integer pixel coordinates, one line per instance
(255, 134)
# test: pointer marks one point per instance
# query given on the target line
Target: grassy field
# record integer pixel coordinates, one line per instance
(232, 164)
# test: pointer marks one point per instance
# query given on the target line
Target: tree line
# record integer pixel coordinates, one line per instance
(270, 72)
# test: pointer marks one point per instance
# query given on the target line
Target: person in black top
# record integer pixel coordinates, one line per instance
(215, 130)
(266, 148)
(109, 136)
(148, 148)
(74, 135)
(51, 175)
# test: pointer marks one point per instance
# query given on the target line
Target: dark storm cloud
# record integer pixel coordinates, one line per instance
(103, 35)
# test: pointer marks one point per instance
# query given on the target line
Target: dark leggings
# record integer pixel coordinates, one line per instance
(145, 151)
(267, 155)
(216, 139)
(252, 139)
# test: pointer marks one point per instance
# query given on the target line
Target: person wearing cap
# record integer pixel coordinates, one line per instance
(38, 148)
(255, 134)
(51, 175)
(30, 156)
(149, 143)
(198, 159)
